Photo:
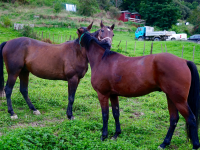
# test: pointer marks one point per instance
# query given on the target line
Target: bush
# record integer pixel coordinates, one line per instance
(27, 31)
(87, 7)
(180, 29)
(57, 7)
(114, 12)
(6, 22)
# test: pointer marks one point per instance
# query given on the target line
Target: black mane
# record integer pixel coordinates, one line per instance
(94, 34)
(87, 38)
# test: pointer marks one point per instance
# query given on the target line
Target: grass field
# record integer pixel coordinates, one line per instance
(144, 120)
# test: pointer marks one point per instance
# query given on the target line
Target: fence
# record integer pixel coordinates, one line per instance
(192, 55)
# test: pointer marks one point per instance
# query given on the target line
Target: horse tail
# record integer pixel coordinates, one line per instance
(1, 67)
(194, 97)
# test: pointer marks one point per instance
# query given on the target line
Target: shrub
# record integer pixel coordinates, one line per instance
(57, 7)
(87, 7)
(180, 29)
(114, 12)
(27, 31)
(6, 22)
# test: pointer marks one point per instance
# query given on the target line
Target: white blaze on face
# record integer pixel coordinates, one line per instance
(108, 29)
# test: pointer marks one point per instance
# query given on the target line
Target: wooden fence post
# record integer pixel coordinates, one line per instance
(151, 48)
(61, 39)
(144, 49)
(193, 53)
(70, 38)
(182, 51)
(126, 46)
(161, 48)
(166, 48)
(53, 38)
(119, 43)
(134, 47)
(42, 36)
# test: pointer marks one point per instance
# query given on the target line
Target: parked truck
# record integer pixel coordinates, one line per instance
(180, 36)
(148, 33)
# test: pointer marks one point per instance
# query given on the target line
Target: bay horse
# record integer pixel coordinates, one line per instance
(113, 75)
(64, 61)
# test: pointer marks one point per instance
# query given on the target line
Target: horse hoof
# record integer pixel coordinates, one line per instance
(14, 116)
(103, 138)
(71, 118)
(37, 112)
(113, 138)
(160, 147)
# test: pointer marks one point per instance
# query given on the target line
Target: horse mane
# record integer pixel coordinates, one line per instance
(87, 38)
(95, 34)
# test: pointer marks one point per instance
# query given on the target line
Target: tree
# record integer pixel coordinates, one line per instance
(185, 11)
(161, 13)
(104, 4)
(131, 5)
(195, 20)
(87, 7)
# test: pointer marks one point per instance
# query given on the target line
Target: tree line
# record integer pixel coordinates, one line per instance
(160, 13)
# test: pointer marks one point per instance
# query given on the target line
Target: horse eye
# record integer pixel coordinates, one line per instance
(102, 30)
(113, 35)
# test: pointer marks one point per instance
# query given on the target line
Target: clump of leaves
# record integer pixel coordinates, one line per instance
(27, 31)
(57, 7)
(114, 12)
(7, 22)
(87, 7)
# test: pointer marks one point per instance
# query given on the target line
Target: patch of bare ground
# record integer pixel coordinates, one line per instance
(37, 124)
(136, 114)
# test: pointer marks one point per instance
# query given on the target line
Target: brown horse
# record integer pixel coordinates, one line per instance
(55, 62)
(114, 75)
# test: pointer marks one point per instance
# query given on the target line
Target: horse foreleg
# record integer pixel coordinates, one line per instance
(115, 109)
(174, 117)
(23, 76)
(72, 86)
(8, 90)
(105, 114)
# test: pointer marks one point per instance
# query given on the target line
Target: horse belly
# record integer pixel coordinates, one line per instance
(45, 70)
(135, 90)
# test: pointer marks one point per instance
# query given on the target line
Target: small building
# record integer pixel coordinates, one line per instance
(71, 7)
(128, 16)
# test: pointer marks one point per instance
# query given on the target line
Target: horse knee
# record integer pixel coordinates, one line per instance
(23, 91)
(8, 91)
(174, 120)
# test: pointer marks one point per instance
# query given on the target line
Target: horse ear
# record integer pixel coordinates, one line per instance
(101, 24)
(112, 27)
(90, 26)
(78, 31)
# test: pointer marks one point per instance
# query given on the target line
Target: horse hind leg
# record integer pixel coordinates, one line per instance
(8, 90)
(23, 76)
(190, 118)
(174, 117)
(115, 109)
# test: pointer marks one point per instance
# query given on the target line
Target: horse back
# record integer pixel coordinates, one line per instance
(42, 59)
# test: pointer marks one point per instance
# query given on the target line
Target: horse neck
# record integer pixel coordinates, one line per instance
(80, 51)
(94, 54)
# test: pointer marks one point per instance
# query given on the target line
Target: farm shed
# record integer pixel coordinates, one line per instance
(126, 16)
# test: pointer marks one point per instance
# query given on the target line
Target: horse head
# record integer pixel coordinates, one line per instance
(106, 33)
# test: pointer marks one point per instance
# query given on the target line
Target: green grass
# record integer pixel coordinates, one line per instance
(144, 120)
